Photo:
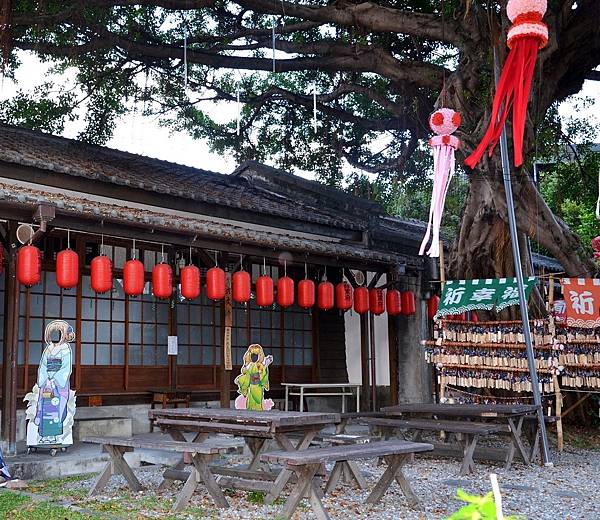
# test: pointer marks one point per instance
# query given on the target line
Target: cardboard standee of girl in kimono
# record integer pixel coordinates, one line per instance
(254, 380)
(51, 402)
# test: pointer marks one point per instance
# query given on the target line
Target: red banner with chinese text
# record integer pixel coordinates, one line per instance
(582, 301)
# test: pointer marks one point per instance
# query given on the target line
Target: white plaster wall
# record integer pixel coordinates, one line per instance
(352, 322)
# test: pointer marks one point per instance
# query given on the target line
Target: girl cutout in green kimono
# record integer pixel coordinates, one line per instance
(254, 380)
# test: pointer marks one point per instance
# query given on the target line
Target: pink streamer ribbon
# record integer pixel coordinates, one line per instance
(443, 167)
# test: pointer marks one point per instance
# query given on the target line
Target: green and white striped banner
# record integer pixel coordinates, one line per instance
(460, 296)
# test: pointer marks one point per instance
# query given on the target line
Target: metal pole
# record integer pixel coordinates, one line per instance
(512, 224)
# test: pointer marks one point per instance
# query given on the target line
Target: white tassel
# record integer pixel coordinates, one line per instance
(315, 109)
(238, 109)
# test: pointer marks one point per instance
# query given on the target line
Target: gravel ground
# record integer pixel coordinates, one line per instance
(569, 490)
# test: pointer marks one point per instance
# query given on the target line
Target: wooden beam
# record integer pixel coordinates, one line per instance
(393, 357)
(364, 361)
(184, 238)
(11, 345)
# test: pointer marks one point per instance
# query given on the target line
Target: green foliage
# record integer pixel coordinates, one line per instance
(477, 508)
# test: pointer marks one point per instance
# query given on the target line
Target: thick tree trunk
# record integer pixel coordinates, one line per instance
(483, 248)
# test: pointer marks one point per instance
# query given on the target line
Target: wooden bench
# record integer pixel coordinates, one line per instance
(306, 463)
(471, 432)
(201, 454)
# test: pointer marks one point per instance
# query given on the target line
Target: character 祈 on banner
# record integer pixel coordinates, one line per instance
(51, 403)
(254, 380)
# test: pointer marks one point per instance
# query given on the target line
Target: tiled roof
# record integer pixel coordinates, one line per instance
(67, 156)
(198, 225)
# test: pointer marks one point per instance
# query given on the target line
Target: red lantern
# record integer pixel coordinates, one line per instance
(325, 292)
(343, 296)
(377, 301)
(264, 291)
(189, 276)
(409, 306)
(285, 291)
(67, 269)
(133, 278)
(392, 302)
(306, 293)
(101, 278)
(29, 265)
(162, 281)
(432, 306)
(241, 287)
(474, 317)
(361, 300)
(215, 283)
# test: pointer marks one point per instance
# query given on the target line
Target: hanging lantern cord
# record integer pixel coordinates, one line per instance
(216, 261)
(241, 262)
(133, 250)
(285, 268)
(101, 244)
(264, 266)
(305, 271)
(190, 255)
(325, 274)
(68, 239)
(162, 253)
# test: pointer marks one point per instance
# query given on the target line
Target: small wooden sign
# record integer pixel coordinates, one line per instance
(227, 349)
(227, 362)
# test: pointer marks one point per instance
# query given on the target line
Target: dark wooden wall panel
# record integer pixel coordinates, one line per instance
(331, 337)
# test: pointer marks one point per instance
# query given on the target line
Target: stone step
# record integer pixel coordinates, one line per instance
(102, 426)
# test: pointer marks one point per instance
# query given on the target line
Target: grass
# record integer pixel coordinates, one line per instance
(16, 506)
(58, 488)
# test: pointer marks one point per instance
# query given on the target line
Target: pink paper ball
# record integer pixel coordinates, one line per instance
(444, 121)
(596, 243)
(515, 8)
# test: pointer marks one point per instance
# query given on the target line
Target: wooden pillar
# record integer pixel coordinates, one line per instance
(11, 345)
(373, 364)
(226, 322)
(364, 361)
(393, 357)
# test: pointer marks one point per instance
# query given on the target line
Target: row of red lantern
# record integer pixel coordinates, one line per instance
(325, 296)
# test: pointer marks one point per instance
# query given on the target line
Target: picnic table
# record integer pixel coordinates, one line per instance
(470, 420)
(256, 428)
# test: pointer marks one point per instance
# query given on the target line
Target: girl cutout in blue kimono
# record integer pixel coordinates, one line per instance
(51, 405)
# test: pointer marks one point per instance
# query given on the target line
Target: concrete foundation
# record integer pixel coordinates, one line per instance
(114, 426)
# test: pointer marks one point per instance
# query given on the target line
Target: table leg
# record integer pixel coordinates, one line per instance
(356, 474)
(285, 474)
(117, 464)
(468, 465)
(256, 447)
(516, 442)
(287, 398)
(305, 486)
(334, 478)
(394, 472)
(177, 435)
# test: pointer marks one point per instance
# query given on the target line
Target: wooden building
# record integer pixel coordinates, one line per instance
(98, 198)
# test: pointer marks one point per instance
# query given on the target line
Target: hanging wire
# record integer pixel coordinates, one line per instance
(315, 108)
(68, 239)
(216, 261)
(190, 255)
(264, 266)
(185, 66)
(239, 115)
(273, 40)
(241, 262)
(101, 244)
(443, 96)
(305, 271)
(133, 251)
(162, 253)
(285, 268)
